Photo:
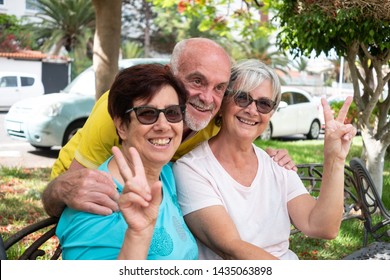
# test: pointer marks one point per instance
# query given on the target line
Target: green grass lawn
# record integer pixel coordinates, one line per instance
(20, 203)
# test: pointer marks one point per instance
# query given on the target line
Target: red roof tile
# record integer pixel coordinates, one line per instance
(33, 55)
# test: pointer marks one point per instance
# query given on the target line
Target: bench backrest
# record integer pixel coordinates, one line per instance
(311, 176)
(376, 216)
(37, 234)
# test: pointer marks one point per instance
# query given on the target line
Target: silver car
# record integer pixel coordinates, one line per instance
(52, 119)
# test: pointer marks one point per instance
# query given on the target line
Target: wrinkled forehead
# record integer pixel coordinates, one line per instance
(213, 66)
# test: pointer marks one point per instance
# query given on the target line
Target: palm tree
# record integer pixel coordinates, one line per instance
(300, 64)
(131, 49)
(263, 50)
(65, 23)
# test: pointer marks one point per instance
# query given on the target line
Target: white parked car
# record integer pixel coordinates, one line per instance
(15, 86)
(52, 119)
(297, 113)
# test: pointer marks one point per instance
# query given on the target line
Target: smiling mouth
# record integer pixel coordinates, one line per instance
(252, 123)
(201, 108)
(160, 141)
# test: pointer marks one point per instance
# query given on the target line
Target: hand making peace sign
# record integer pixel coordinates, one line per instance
(139, 201)
(338, 136)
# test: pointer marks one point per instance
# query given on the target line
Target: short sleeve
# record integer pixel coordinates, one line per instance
(98, 136)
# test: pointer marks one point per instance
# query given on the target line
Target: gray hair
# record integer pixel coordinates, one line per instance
(176, 54)
(248, 74)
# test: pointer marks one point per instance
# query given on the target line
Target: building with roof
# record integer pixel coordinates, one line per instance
(54, 71)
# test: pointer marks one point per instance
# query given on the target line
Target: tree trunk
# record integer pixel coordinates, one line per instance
(374, 155)
(375, 135)
(148, 17)
(106, 43)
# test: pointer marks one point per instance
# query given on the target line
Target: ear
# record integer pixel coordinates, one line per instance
(122, 128)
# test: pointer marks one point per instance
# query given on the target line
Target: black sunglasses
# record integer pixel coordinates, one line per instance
(263, 105)
(149, 115)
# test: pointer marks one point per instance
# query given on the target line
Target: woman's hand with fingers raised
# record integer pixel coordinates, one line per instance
(139, 201)
(338, 135)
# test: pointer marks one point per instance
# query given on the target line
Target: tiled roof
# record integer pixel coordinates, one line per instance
(34, 55)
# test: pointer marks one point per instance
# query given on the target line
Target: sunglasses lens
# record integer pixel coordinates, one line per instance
(264, 105)
(147, 115)
(242, 99)
(173, 114)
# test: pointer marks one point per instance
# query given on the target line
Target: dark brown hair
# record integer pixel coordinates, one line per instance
(141, 82)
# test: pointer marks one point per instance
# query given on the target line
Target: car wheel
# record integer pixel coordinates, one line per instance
(267, 133)
(314, 131)
(41, 148)
(71, 131)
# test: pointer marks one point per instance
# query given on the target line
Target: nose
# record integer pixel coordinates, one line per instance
(251, 108)
(206, 95)
(162, 120)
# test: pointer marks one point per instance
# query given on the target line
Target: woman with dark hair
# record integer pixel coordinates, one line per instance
(147, 105)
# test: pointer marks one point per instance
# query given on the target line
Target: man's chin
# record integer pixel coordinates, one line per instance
(195, 124)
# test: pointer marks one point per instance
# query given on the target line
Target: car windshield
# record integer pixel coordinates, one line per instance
(83, 84)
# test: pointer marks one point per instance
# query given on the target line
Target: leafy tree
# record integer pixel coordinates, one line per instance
(359, 31)
(137, 22)
(13, 35)
(222, 17)
(174, 24)
(155, 27)
(240, 28)
(215, 19)
(177, 20)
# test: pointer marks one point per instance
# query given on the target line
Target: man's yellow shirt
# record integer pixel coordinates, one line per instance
(92, 144)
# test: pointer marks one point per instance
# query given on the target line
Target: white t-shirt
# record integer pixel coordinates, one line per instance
(259, 211)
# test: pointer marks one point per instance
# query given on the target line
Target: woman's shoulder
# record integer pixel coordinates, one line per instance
(197, 153)
(268, 162)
